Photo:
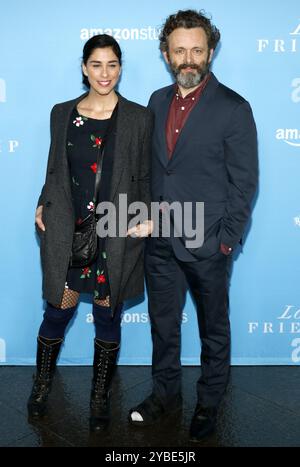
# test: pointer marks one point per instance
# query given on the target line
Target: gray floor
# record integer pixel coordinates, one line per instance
(261, 408)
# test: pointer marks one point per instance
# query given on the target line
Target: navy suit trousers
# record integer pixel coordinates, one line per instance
(168, 279)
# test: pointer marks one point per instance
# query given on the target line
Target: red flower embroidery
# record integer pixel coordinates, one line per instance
(85, 273)
(97, 141)
(94, 167)
(101, 279)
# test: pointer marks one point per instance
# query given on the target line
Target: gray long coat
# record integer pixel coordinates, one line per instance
(132, 142)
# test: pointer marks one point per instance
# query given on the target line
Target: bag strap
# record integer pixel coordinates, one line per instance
(101, 152)
(98, 172)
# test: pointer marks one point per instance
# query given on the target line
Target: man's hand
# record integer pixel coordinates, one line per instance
(38, 218)
(141, 230)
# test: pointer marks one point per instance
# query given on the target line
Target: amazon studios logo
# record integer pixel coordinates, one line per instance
(291, 136)
(134, 318)
(126, 34)
(287, 323)
(288, 44)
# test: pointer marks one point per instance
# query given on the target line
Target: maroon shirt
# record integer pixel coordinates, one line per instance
(179, 111)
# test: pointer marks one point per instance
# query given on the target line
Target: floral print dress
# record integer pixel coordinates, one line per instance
(85, 135)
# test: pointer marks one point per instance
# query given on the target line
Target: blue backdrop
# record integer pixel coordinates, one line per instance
(40, 54)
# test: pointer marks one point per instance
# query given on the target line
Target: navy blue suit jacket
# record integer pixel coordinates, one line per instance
(215, 161)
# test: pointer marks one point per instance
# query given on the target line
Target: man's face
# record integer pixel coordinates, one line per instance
(188, 56)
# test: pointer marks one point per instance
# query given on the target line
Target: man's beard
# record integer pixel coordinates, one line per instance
(190, 79)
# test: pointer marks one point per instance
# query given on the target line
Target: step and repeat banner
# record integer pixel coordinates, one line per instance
(259, 57)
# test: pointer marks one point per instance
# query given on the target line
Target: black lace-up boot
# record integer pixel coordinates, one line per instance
(105, 358)
(47, 353)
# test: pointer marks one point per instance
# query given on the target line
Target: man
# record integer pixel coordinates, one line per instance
(204, 150)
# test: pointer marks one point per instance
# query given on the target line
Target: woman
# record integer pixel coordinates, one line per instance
(78, 128)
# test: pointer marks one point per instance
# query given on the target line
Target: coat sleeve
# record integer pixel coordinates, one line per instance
(241, 161)
(145, 163)
(51, 157)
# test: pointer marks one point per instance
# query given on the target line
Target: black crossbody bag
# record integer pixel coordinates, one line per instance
(85, 238)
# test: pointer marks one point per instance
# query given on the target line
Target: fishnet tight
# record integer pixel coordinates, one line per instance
(103, 302)
(70, 299)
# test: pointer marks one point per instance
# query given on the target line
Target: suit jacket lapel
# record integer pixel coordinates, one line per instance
(63, 124)
(161, 121)
(196, 115)
(120, 138)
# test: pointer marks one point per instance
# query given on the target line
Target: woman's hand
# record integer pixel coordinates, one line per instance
(38, 218)
(141, 230)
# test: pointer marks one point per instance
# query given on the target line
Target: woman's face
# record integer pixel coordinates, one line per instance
(102, 70)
